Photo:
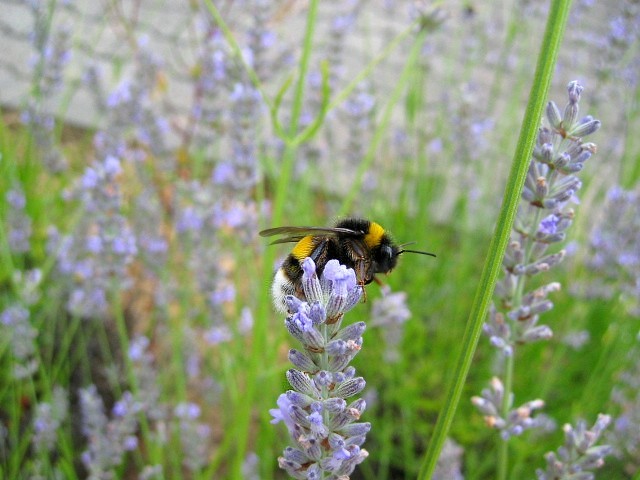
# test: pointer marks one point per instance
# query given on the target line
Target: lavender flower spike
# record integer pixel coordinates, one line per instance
(579, 454)
(542, 221)
(325, 430)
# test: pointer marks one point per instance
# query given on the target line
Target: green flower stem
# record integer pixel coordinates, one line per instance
(554, 31)
(503, 446)
(260, 332)
(509, 364)
(289, 155)
(123, 336)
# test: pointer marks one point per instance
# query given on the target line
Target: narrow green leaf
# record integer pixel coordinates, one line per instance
(309, 132)
(273, 110)
(556, 23)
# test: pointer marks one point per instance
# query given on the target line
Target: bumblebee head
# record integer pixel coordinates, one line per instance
(384, 251)
(385, 257)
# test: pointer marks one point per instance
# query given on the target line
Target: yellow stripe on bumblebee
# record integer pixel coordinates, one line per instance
(374, 236)
(303, 248)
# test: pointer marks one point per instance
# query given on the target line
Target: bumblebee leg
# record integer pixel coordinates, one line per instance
(364, 293)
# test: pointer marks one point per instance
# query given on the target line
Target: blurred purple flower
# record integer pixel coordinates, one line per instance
(95, 257)
(579, 454)
(389, 313)
(194, 436)
(18, 222)
(614, 254)
(16, 328)
(108, 438)
(48, 418)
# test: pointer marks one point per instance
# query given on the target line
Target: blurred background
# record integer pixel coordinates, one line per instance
(145, 143)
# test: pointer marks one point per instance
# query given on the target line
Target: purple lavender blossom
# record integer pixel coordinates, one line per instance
(614, 254)
(146, 375)
(19, 228)
(542, 220)
(229, 202)
(624, 436)
(210, 85)
(246, 105)
(325, 431)
(245, 324)
(579, 455)
(198, 229)
(148, 223)
(51, 54)
(95, 257)
(218, 334)
(340, 26)
(108, 438)
(194, 436)
(516, 421)
(612, 42)
(358, 112)
(224, 202)
(92, 79)
(15, 323)
(132, 115)
(261, 40)
(450, 462)
(16, 329)
(250, 467)
(390, 313)
(48, 419)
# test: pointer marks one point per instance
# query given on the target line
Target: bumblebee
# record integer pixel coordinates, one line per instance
(357, 243)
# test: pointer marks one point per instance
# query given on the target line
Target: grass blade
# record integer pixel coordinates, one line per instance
(554, 31)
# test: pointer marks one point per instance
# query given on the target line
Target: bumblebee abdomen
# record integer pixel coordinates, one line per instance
(288, 278)
(281, 287)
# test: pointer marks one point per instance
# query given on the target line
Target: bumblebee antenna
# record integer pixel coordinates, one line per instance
(417, 251)
(403, 250)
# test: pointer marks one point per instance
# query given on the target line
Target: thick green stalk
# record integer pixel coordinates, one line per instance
(554, 31)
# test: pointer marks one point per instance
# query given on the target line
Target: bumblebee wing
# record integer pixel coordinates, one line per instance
(288, 239)
(295, 234)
